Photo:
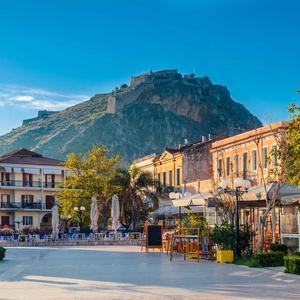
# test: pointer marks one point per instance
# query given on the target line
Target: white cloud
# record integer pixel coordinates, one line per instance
(23, 98)
(37, 98)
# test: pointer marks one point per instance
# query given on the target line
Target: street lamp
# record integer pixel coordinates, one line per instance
(80, 210)
(241, 187)
(67, 219)
(18, 222)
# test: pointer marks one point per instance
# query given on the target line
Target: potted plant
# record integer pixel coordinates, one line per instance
(224, 237)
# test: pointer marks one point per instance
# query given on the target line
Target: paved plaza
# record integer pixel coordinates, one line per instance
(117, 272)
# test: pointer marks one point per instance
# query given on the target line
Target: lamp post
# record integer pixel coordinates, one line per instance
(80, 211)
(241, 187)
(67, 219)
(18, 222)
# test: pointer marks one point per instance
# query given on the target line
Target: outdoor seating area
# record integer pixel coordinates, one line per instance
(101, 236)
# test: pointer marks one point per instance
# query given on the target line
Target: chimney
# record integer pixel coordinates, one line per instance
(185, 142)
(209, 136)
(203, 138)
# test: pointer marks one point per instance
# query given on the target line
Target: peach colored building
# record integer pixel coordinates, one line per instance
(242, 154)
(250, 156)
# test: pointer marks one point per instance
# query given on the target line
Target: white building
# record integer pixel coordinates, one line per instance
(28, 184)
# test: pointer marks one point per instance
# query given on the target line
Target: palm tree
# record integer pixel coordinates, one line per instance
(134, 187)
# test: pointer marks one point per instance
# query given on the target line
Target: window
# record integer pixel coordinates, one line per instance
(220, 162)
(178, 177)
(236, 165)
(49, 180)
(27, 198)
(245, 162)
(27, 201)
(228, 166)
(265, 157)
(5, 199)
(5, 179)
(164, 179)
(27, 220)
(27, 179)
(254, 160)
(170, 178)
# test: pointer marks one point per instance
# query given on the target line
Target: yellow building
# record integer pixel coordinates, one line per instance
(28, 184)
(185, 169)
(168, 171)
(145, 163)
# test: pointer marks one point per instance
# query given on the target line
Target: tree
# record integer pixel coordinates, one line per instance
(293, 146)
(124, 86)
(134, 187)
(227, 208)
(287, 153)
(277, 176)
(90, 176)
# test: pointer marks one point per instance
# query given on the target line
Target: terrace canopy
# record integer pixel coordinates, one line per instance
(287, 194)
(199, 199)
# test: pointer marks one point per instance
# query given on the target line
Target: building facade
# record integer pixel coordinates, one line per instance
(246, 154)
(252, 156)
(28, 184)
(185, 169)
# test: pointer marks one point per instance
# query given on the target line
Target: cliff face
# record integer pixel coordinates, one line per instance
(134, 121)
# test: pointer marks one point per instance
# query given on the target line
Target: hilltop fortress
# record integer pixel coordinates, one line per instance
(124, 95)
(127, 94)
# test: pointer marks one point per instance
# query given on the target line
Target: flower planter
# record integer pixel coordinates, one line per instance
(224, 256)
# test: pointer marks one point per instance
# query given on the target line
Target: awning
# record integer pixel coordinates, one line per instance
(197, 199)
(32, 171)
(52, 171)
(257, 192)
(172, 210)
(287, 193)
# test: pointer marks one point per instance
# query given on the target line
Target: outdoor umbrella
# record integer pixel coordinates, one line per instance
(115, 212)
(94, 215)
(55, 222)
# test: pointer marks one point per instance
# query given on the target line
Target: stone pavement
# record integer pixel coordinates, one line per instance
(119, 272)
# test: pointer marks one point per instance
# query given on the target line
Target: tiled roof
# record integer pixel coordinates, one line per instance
(26, 157)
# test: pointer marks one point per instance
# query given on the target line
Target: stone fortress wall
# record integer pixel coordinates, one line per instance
(138, 84)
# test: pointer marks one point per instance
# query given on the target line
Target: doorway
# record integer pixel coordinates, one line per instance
(4, 220)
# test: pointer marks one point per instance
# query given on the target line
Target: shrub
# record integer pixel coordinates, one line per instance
(194, 220)
(6, 231)
(279, 248)
(247, 261)
(269, 259)
(2, 253)
(21, 238)
(292, 264)
(225, 236)
(296, 253)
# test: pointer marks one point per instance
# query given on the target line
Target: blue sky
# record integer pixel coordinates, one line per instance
(57, 53)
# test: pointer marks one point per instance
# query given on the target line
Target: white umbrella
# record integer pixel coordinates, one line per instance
(115, 213)
(94, 215)
(55, 222)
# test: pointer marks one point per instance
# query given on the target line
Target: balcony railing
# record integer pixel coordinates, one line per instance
(34, 184)
(24, 205)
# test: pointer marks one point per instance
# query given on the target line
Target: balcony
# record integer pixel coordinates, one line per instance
(53, 185)
(24, 205)
(30, 184)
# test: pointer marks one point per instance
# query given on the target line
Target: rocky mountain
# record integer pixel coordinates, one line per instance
(157, 110)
